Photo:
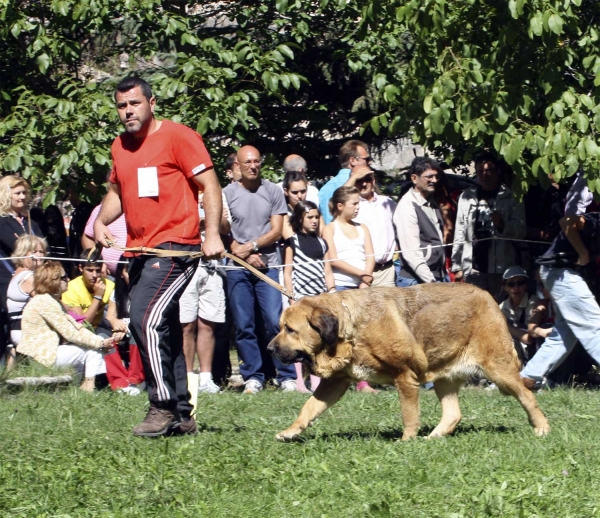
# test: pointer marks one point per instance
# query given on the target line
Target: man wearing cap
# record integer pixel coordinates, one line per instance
(376, 212)
(577, 311)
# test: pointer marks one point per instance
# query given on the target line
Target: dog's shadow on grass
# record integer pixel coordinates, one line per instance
(396, 435)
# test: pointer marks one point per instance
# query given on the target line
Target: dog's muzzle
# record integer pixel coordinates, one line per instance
(286, 355)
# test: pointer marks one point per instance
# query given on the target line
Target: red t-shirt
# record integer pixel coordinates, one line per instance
(178, 154)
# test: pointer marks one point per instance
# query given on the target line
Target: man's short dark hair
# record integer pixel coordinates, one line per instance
(488, 157)
(84, 259)
(423, 163)
(131, 82)
(230, 160)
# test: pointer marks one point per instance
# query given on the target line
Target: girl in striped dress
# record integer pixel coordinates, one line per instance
(305, 273)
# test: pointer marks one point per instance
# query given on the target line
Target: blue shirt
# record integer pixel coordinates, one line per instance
(327, 191)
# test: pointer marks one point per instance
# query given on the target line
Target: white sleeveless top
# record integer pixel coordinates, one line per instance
(351, 251)
(16, 298)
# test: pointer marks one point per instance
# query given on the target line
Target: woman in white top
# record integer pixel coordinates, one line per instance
(20, 289)
(349, 243)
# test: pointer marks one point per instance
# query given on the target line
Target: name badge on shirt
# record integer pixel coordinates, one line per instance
(147, 182)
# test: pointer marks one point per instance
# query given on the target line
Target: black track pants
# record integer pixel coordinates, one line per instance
(156, 284)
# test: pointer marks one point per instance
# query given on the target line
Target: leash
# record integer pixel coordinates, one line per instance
(94, 255)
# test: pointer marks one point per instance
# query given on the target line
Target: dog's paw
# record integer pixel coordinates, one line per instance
(287, 436)
(542, 431)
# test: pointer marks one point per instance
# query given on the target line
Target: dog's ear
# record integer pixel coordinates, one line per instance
(327, 325)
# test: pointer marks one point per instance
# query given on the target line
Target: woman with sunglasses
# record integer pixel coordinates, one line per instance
(53, 338)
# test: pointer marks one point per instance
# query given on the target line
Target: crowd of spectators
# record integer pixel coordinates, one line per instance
(347, 235)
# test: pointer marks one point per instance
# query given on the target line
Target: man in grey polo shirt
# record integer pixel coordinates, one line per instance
(257, 208)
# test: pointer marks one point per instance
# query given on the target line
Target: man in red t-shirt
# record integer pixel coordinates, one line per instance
(158, 168)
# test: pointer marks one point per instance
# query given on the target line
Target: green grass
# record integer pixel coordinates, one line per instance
(67, 453)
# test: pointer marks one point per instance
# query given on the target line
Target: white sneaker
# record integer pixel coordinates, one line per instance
(208, 387)
(130, 390)
(288, 386)
(252, 387)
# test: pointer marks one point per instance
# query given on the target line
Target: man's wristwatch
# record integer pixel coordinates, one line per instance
(254, 246)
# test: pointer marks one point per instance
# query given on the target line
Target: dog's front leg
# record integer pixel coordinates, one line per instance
(407, 385)
(329, 391)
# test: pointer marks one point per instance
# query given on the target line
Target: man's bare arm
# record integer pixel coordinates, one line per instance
(244, 250)
(111, 209)
(571, 225)
(213, 211)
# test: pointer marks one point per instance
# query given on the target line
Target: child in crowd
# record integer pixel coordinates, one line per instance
(89, 294)
(305, 273)
(350, 248)
(528, 316)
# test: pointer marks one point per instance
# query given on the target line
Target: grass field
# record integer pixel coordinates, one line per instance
(67, 453)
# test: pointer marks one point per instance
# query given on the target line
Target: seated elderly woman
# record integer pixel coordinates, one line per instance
(53, 338)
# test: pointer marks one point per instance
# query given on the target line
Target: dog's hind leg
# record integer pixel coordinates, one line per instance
(510, 383)
(327, 394)
(407, 385)
(447, 392)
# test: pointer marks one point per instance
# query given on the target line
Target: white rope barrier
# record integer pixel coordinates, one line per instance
(494, 238)
(60, 259)
(225, 267)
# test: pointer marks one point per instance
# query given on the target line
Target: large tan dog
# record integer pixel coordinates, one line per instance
(445, 333)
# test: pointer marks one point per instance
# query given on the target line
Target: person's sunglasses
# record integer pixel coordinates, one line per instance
(368, 178)
(299, 191)
(367, 159)
(64, 278)
(512, 284)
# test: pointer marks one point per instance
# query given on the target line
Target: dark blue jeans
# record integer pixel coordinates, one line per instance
(247, 294)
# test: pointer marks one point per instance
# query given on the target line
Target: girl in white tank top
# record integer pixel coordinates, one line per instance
(349, 243)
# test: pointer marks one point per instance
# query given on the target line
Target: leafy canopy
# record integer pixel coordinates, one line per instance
(521, 77)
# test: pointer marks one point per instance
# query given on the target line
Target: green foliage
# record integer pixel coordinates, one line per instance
(68, 453)
(275, 74)
(521, 77)
(216, 68)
